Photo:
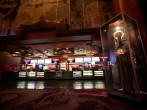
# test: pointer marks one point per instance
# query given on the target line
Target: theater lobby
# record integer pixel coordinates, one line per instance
(73, 55)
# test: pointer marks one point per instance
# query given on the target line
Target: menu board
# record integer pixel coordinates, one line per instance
(33, 61)
(79, 60)
(95, 59)
(88, 59)
(48, 61)
(41, 61)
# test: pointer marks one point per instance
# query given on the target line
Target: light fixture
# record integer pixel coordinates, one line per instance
(117, 28)
(120, 51)
(118, 34)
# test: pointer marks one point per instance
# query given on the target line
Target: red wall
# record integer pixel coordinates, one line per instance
(132, 8)
(41, 34)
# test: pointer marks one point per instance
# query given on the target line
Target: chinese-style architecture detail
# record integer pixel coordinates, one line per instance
(77, 14)
(74, 39)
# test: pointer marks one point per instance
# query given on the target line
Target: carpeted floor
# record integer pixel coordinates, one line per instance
(60, 99)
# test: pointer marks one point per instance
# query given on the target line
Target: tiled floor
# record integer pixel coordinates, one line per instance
(75, 84)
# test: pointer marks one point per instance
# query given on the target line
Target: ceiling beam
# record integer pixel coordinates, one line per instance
(51, 40)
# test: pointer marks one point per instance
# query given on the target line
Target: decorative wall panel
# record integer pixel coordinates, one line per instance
(76, 13)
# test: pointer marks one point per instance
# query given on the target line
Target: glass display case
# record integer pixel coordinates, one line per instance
(40, 74)
(31, 74)
(98, 73)
(126, 65)
(87, 73)
(77, 73)
(22, 74)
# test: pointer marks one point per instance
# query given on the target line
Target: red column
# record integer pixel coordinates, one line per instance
(116, 6)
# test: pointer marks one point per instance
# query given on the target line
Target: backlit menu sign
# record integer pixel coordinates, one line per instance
(41, 61)
(79, 60)
(33, 61)
(95, 59)
(88, 59)
(48, 61)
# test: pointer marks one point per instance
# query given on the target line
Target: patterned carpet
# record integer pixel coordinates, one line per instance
(60, 99)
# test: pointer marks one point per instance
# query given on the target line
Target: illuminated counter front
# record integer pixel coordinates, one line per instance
(22, 74)
(98, 73)
(87, 73)
(77, 73)
(40, 74)
(32, 74)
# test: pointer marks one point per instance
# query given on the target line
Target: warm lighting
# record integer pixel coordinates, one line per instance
(17, 52)
(121, 51)
(15, 55)
(117, 28)
(118, 38)
(57, 21)
(117, 34)
(105, 30)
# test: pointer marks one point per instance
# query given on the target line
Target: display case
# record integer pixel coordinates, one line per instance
(126, 64)
(99, 73)
(22, 74)
(88, 73)
(31, 74)
(77, 73)
(40, 74)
